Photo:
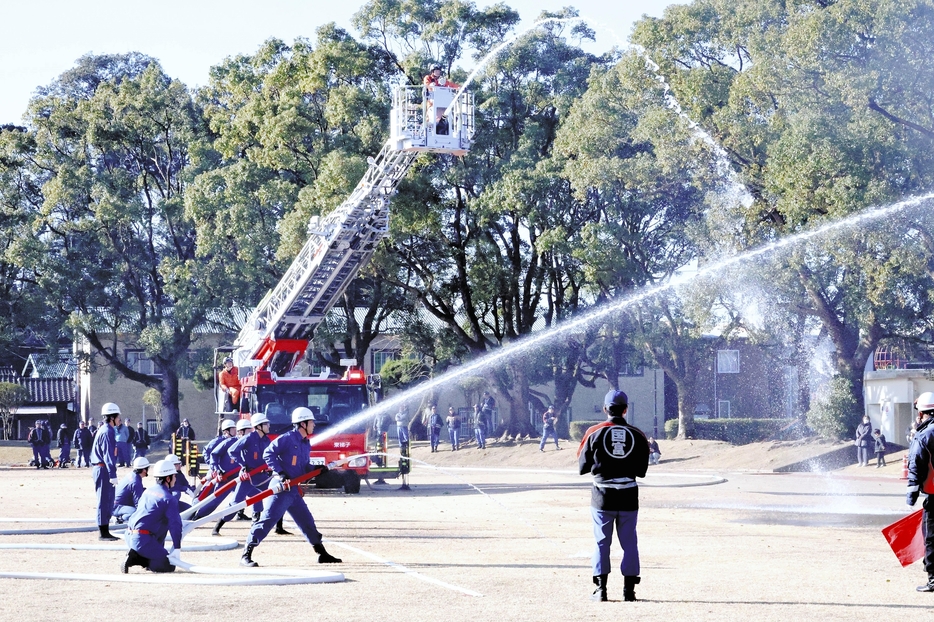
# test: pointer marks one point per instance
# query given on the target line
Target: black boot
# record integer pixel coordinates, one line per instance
(281, 530)
(927, 587)
(247, 558)
(217, 527)
(133, 559)
(256, 516)
(629, 588)
(323, 556)
(599, 594)
(241, 515)
(105, 534)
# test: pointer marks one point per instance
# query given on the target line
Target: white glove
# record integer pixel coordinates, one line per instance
(113, 481)
(174, 557)
(333, 465)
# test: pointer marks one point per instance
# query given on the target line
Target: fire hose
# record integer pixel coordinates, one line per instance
(205, 499)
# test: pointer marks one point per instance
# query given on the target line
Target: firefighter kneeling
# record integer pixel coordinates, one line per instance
(156, 517)
(288, 456)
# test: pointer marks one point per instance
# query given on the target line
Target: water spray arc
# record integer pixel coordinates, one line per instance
(507, 352)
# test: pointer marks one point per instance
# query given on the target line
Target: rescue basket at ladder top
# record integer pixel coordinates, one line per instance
(437, 120)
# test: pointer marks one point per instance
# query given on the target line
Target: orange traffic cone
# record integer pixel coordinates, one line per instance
(904, 467)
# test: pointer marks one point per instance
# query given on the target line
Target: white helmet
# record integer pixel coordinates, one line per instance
(140, 463)
(244, 424)
(925, 401)
(173, 459)
(226, 424)
(258, 419)
(163, 468)
(109, 409)
(302, 414)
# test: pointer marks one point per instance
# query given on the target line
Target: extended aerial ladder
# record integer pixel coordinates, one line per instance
(276, 335)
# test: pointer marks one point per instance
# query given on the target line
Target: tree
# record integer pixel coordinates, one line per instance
(12, 396)
(114, 144)
(823, 110)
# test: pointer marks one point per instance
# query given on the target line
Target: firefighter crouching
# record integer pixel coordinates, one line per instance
(156, 518)
(921, 479)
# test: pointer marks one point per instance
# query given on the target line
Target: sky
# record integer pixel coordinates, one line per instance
(43, 38)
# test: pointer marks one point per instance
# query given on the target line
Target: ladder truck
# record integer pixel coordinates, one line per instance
(275, 337)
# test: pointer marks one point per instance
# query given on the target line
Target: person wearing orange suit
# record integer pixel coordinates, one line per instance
(229, 381)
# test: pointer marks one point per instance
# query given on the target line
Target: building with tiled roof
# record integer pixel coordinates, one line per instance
(50, 398)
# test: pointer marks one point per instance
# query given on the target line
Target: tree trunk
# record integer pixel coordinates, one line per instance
(686, 403)
(170, 411)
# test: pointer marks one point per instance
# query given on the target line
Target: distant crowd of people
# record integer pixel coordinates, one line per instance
(131, 443)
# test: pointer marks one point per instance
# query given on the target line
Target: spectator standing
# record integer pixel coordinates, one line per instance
(549, 422)
(454, 428)
(64, 446)
(122, 437)
(46, 447)
(402, 427)
(863, 441)
(435, 423)
(479, 426)
(34, 438)
(82, 441)
(879, 447)
(141, 441)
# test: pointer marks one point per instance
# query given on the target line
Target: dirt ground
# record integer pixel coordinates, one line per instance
(505, 534)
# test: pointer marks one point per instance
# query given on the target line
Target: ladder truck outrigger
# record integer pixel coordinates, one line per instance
(275, 337)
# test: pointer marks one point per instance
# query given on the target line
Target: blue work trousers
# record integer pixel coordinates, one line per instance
(625, 523)
(289, 501)
(37, 455)
(213, 505)
(545, 434)
(402, 433)
(434, 437)
(105, 494)
(64, 454)
(139, 452)
(46, 452)
(152, 549)
(84, 454)
(123, 454)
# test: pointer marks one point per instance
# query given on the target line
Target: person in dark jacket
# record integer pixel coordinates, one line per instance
(864, 442)
(82, 442)
(141, 441)
(879, 447)
(64, 446)
(435, 423)
(921, 480)
(615, 454)
(34, 438)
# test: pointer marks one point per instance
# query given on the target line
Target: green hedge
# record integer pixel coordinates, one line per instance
(577, 428)
(739, 431)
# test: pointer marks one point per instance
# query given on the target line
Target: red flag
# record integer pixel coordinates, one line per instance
(906, 539)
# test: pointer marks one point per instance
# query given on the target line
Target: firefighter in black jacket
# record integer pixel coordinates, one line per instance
(615, 453)
(921, 479)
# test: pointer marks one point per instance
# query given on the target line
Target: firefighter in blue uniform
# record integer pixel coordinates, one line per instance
(129, 490)
(156, 518)
(226, 456)
(615, 454)
(181, 483)
(921, 479)
(104, 461)
(287, 456)
(220, 462)
(248, 452)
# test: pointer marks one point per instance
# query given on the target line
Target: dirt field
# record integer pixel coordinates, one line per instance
(758, 545)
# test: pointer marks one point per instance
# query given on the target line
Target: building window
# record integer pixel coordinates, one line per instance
(139, 361)
(723, 409)
(728, 361)
(380, 357)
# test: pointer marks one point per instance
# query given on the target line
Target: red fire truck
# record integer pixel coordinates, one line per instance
(274, 340)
